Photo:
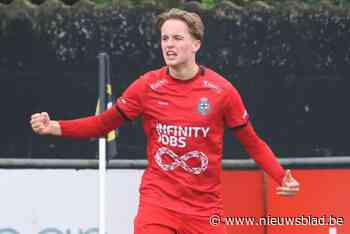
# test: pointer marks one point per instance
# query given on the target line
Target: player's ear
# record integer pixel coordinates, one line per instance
(196, 45)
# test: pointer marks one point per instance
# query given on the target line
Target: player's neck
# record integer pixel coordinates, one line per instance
(184, 72)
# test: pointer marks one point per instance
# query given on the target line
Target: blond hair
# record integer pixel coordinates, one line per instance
(193, 21)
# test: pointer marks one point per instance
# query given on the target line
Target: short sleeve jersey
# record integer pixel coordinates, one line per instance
(184, 124)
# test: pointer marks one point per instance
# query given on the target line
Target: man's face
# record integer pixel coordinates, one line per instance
(178, 45)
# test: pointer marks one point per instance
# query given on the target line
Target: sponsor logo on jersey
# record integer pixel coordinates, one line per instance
(123, 100)
(212, 86)
(162, 103)
(204, 106)
(176, 136)
(159, 83)
(180, 161)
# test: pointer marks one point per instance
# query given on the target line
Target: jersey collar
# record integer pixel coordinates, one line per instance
(200, 72)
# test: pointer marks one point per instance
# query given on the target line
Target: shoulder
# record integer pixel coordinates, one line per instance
(144, 80)
(152, 80)
(215, 79)
(152, 75)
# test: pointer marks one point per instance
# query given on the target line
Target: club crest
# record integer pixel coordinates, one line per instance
(204, 106)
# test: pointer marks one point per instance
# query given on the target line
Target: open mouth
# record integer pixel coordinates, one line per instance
(171, 54)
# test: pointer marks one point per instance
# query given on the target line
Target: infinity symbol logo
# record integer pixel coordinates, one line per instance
(181, 161)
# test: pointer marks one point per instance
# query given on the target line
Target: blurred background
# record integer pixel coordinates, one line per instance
(289, 60)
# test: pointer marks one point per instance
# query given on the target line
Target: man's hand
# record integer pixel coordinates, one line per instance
(41, 124)
(289, 185)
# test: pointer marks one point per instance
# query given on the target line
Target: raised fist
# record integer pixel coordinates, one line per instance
(41, 123)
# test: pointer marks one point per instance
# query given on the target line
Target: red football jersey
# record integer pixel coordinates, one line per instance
(184, 124)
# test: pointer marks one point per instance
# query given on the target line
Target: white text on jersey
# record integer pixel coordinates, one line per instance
(175, 136)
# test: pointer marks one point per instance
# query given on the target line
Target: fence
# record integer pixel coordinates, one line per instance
(241, 164)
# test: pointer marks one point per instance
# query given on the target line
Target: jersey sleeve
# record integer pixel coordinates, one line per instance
(235, 113)
(130, 102)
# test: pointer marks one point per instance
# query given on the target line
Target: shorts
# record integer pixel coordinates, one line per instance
(152, 219)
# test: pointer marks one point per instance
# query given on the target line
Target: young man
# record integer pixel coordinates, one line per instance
(184, 108)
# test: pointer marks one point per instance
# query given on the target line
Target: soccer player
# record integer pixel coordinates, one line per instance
(184, 107)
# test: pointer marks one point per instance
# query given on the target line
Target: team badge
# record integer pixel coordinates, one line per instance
(204, 106)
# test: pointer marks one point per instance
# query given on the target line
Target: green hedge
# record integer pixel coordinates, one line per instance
(205, 4)
(212, 3)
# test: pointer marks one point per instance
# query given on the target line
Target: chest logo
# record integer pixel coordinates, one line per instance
(204, 107)
(180, 161)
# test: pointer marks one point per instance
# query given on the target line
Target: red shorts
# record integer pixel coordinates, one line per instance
(152, 219)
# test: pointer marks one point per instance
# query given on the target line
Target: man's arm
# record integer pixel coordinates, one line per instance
(83, 128)
(265, 158)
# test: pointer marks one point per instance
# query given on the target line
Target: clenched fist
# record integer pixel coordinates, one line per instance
(41, 124)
